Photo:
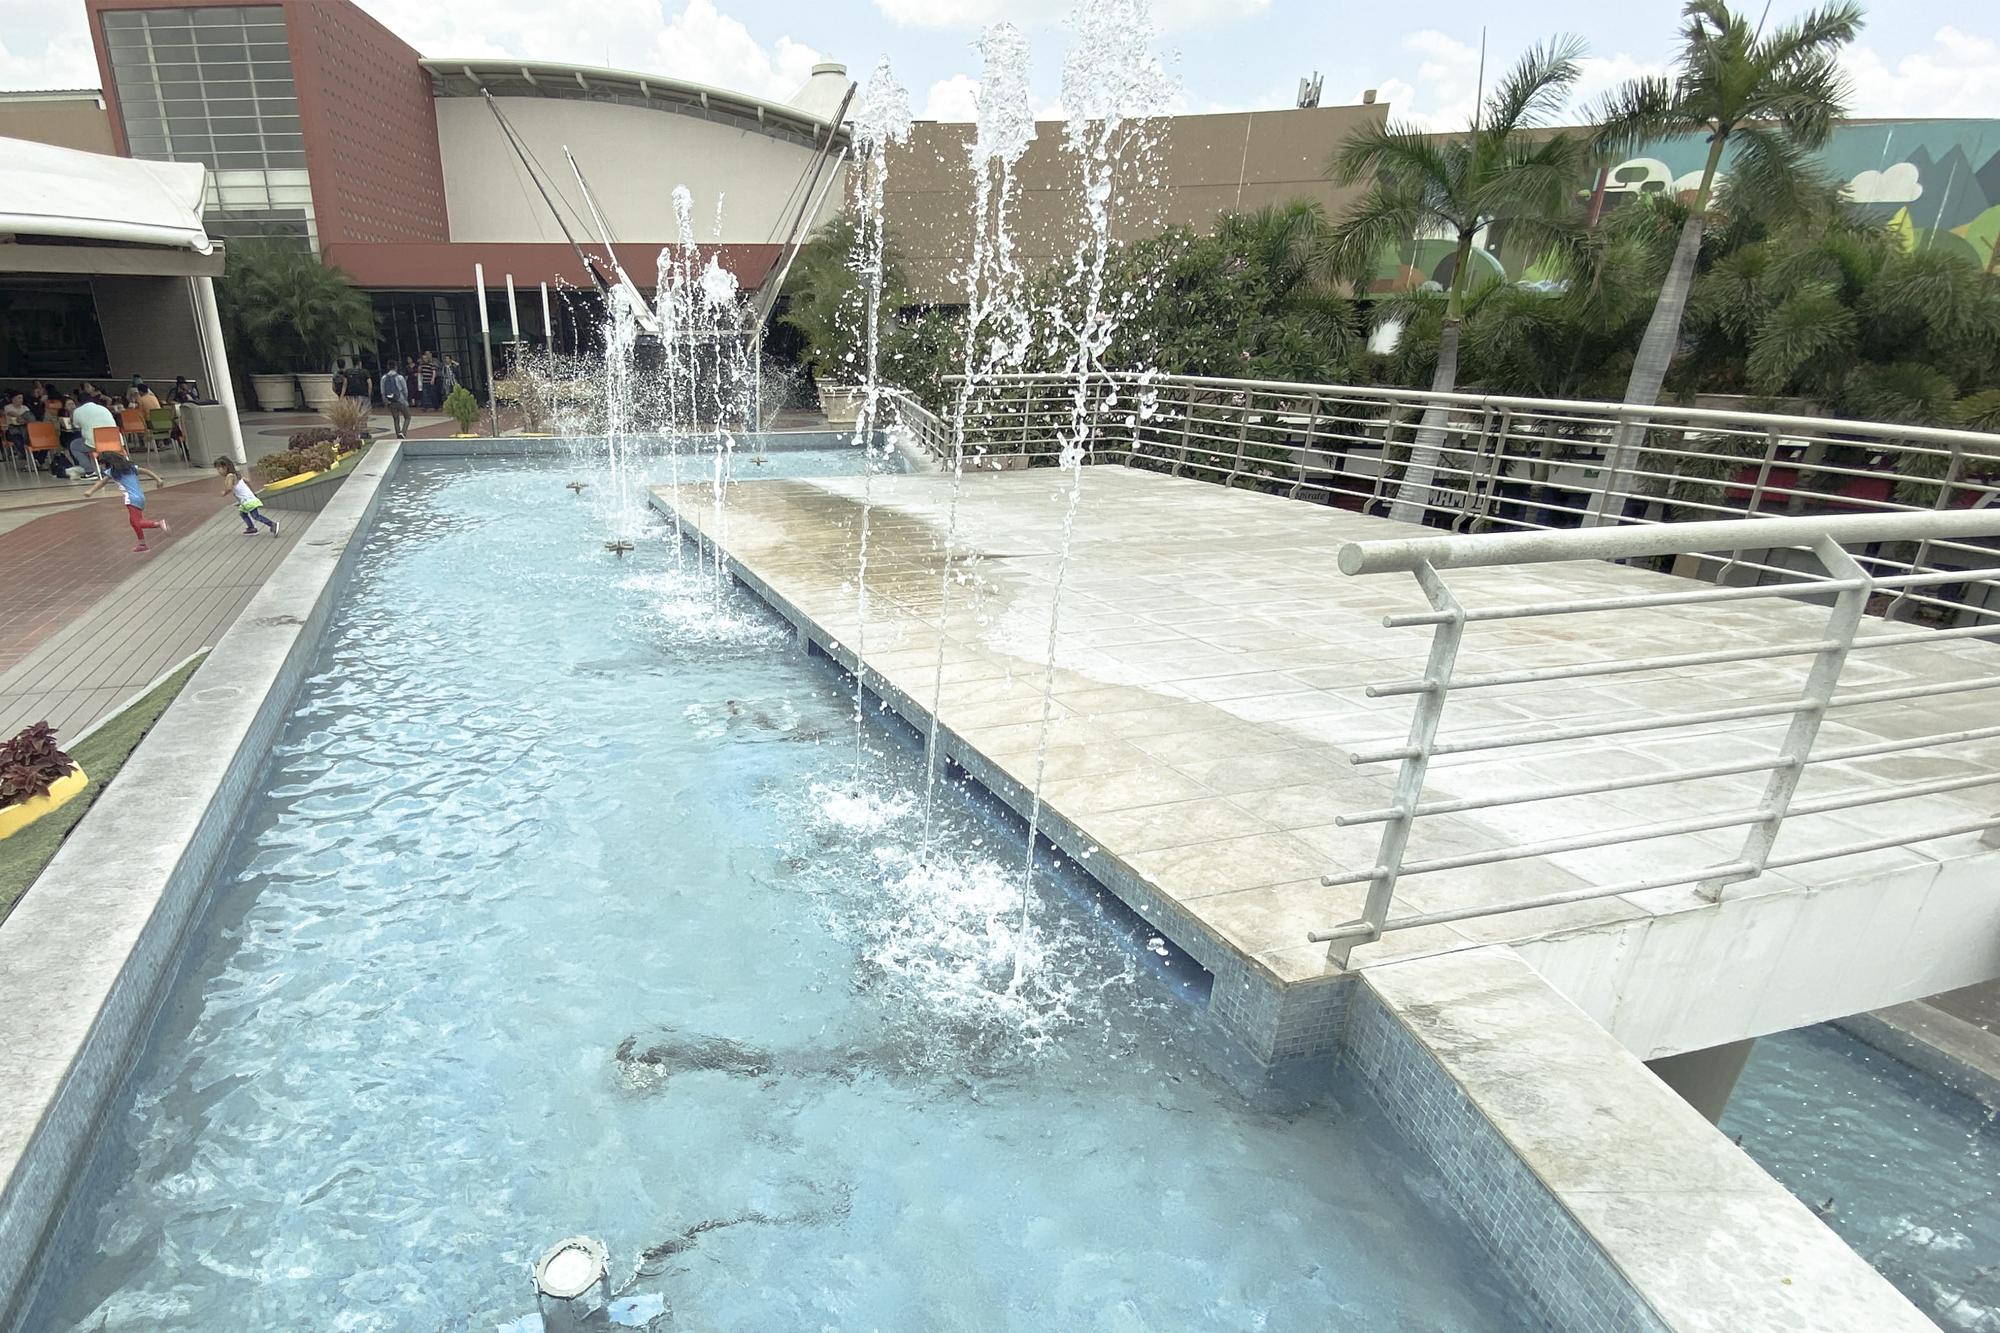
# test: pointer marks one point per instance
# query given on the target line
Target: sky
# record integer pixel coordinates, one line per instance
(1915, 58)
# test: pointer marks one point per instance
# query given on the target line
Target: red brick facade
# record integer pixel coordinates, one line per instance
(370, 127)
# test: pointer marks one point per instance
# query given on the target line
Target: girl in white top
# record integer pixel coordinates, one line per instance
(247, 503)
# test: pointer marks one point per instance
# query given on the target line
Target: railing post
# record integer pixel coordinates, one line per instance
(1628, 437)
(1187, 431)
(1756, 495)
(1305, 451)
(1424, 720)
(1941, 501)
(1242, 442)
(1796, 748)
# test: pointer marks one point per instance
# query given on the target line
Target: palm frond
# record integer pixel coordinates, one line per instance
(1388, 148)
(1774, 175)
(1535, 88)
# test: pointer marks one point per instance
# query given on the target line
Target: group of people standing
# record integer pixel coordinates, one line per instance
(75, 416)
(421, 383)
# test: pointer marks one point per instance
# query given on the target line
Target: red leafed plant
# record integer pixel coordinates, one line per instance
(30, 764)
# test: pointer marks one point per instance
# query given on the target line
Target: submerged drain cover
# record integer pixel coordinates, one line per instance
(571, 1268)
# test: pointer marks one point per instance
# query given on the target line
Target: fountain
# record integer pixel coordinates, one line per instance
(1113, 86)
(882, 118)
(996, 324)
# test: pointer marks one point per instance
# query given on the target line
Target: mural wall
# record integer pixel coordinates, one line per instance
(1936, 183)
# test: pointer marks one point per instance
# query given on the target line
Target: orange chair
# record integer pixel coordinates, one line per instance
(107, 440)
(43, 438)
(132, 425)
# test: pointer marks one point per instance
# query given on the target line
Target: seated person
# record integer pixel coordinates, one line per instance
(143, 398)
(16, 414)
(85, 418)
(183, 392)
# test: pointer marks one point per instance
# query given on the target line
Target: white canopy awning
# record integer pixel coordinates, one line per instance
(49, 191)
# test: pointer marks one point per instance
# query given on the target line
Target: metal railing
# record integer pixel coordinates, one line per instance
(1825, 650)
(922, 427)
(1487, 463)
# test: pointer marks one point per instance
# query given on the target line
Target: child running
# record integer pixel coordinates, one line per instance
(122, 470)
(247, 503)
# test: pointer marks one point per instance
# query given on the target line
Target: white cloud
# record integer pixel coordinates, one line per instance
(1443, 89)
(689, 39)
(1954, 76)
(1446, 86)
(955, 98)
(64, 61)
(1170, 15)
(1896, 185)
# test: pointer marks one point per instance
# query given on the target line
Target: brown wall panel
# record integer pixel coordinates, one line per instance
(1199, 166)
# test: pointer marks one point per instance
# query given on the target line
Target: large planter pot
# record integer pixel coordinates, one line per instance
(318, 390)
(14, 818)
(276, 393)
(841, 403)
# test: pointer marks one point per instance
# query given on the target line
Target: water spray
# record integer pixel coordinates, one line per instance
(1006, 126)
(1113, 85)
(882, 118)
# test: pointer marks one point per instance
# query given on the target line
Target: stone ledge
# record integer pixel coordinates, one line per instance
(1704, 1236)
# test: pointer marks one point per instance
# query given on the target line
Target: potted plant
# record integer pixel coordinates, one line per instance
(825, 301)
(463, 408)
(35, 778)
(283, 310)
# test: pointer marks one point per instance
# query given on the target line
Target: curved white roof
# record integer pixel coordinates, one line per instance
(95, 197)
(542, 78)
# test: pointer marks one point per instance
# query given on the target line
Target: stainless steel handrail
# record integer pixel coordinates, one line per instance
(1846, 584)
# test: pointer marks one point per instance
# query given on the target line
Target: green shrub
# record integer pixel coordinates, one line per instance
(463, 408)
(275, 467)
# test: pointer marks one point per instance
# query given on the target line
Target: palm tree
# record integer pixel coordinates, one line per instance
(289, 310)
(1498, 173)
(1775, 98)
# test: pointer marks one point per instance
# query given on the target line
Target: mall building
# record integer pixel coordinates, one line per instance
(322, 127)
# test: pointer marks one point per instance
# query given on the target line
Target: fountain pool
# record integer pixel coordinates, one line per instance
(559, 910)
(1901, 1167)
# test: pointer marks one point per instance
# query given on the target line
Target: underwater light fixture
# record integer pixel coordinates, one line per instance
(565, 1279)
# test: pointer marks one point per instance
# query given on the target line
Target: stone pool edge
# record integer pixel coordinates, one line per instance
(1608, 1200)
(87, 953)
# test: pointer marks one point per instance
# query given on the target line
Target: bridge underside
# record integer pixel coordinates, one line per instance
(1208, 690)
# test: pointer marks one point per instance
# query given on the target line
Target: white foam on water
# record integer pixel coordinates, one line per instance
(860, 810)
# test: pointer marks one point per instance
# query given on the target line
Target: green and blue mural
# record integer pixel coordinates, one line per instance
(1935, 183)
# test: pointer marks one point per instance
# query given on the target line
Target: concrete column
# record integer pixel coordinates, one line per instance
(220, 386)
(1704, 1079)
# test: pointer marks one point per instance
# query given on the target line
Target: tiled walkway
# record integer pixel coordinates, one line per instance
(86, 622)
(1208, 690)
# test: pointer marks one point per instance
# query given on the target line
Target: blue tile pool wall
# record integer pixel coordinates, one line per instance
(1571, 1283)
(61, 1144)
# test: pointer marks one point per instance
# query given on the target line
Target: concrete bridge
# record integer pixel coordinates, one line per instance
(1597, 787)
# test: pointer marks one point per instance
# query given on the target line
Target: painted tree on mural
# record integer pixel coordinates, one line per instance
(1498, 173)
(1772, 96)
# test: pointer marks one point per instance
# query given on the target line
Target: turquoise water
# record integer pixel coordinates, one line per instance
(561, 910)
(1906, 1171)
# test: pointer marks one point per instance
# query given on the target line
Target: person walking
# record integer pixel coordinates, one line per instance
(122, 470)
(247, 503)
(396, 397)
